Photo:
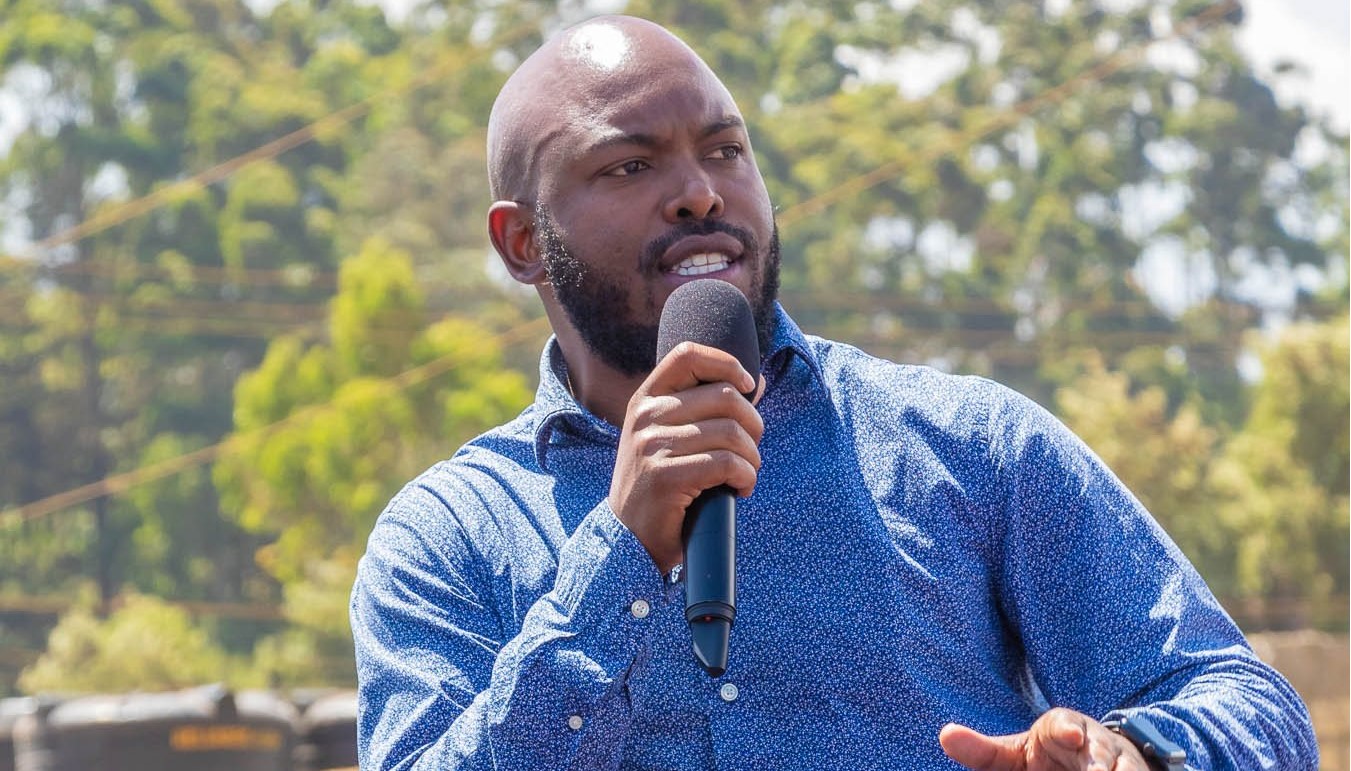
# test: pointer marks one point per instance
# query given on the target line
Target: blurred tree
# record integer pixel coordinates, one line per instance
(1263, 512)
(145, 644)
(138, 326)
(130, 325)
(326, 433)
(1280, 486)
(965, 183)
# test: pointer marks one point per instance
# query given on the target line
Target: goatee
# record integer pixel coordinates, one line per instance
(598, 307)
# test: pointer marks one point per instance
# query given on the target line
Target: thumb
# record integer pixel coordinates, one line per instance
(979, 752)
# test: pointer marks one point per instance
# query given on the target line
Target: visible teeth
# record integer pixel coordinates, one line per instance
(699, 264)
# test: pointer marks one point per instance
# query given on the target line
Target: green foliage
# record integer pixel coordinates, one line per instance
(326, 311)
(316, 649)
(1262, 512)
(1303, 400)
(146, 645)
(1164, 455)
(327, 433)
(1281, 484)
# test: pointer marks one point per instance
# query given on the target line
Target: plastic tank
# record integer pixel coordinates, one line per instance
(202, 729)
(10, 712)
(328, 732)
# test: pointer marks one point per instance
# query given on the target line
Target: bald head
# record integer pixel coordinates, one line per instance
(572, 82)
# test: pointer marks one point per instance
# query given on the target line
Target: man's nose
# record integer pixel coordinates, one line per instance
(694, 198)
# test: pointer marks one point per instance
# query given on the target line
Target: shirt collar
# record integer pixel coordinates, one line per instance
(555, 404)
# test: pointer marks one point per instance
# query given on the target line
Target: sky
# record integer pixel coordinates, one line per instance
(1316, 34)
(1313, 33)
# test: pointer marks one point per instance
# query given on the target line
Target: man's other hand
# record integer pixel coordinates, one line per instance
(1060, 740)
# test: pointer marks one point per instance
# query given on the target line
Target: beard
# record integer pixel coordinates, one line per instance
(600, 308)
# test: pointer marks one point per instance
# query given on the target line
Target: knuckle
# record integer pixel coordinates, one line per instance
(1059, 713)
(648, 443)
(684, 348)
(727, 431)
(729, 463)
(652, 410)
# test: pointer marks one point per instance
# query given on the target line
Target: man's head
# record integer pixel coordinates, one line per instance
(621, 168)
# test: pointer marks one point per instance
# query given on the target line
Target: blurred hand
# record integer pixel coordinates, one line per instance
(1060, 740)
(688, 428)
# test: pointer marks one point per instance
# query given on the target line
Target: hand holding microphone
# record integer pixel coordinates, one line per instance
(689, 431)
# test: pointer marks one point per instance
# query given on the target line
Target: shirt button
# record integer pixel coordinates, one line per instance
(575, 722)
(640, 608)
(728, 692)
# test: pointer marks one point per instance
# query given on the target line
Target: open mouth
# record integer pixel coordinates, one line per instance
(701, 264)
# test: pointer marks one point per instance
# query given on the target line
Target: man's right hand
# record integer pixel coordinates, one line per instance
(688, 428)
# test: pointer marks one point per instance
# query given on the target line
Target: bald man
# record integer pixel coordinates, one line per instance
(933, 573)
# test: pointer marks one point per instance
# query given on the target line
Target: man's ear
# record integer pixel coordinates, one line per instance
(512, 228)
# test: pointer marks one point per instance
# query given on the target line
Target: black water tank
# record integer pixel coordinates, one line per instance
(201, 729)
(10, 712)
(328, 732)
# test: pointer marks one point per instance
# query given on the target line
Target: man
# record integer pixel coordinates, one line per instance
(927, 564)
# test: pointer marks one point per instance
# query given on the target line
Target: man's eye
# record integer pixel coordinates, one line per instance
(628, 168)
(727, 153)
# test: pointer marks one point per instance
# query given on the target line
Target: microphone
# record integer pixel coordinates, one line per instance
(713, 313)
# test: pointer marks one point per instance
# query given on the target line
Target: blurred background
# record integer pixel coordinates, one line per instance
(246, 290)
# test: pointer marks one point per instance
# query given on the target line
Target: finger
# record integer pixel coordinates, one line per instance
(1058, 739)
(690, 364)
(1066, 728)
(702, 402)
(980, 752)
(693, 474)
(759, 394)
(1103, 753)
(709, 435)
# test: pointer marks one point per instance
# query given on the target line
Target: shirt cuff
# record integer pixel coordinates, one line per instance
(605, 590)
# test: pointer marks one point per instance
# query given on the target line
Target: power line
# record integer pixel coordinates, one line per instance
(300, 277)
(120, 483)
(131, 209)
(331, 123)
(48, 605)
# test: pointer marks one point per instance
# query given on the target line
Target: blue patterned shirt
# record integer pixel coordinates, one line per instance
(920, 548)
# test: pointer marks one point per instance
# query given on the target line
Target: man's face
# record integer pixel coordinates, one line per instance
(650, 183)
(594, 303)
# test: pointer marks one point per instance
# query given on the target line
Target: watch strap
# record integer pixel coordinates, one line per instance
(1160, 753)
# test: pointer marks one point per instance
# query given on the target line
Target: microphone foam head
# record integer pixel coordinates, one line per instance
(713, 313)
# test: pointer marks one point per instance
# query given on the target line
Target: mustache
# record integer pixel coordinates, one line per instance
(658, 246)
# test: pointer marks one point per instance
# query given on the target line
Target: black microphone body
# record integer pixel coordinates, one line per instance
(713, 313)
(710, 576)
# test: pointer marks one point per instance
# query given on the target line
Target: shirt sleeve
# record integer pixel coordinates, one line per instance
(1115, 620)
(438, 685)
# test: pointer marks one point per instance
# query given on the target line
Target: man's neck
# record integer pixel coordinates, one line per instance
(599, 388)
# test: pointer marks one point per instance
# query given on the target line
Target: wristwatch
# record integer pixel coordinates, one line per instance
(1159, 753)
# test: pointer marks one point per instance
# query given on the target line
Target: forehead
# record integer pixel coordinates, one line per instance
(664, 104)
(623, 93)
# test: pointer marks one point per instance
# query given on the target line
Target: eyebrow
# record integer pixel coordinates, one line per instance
(648, 140)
